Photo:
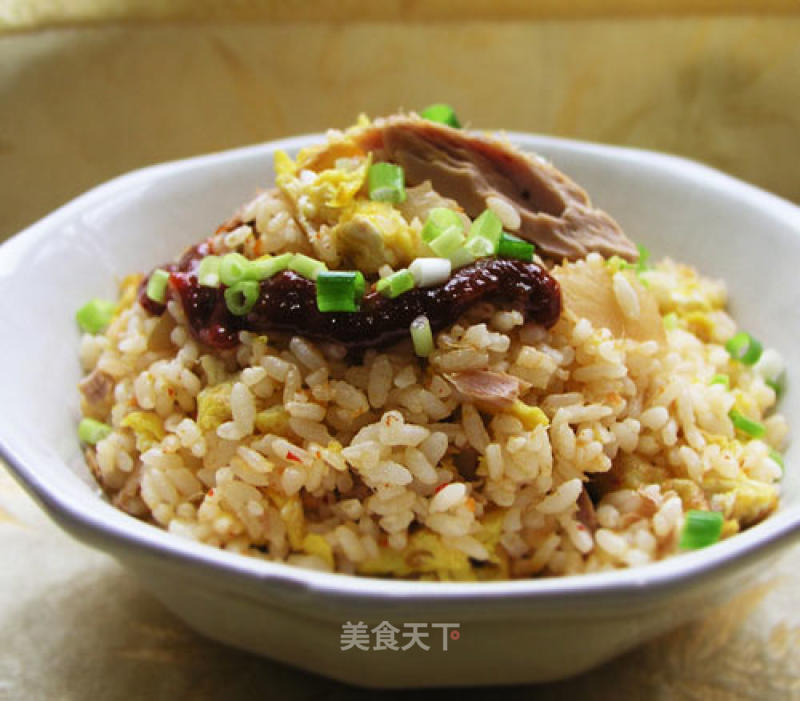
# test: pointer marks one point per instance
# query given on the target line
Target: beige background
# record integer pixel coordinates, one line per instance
(82, 100)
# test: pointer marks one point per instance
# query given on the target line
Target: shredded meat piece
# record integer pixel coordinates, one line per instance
(466, 462)
(488, 389)
(556, 213)
(97, 390)
(586, 514)
(128, 498)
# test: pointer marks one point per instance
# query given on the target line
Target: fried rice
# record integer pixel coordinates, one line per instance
(292, 450)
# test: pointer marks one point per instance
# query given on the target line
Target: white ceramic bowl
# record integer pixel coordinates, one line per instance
(510, 632)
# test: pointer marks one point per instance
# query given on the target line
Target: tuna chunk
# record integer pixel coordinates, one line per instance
(97, 392)
(555, 213)
(495, 390)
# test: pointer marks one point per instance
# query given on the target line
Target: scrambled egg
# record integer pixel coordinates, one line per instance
(683, 291)
(147, 426)
(327, 187)
(371, 234)
(214, 406)
(273, 420)
(428, 556)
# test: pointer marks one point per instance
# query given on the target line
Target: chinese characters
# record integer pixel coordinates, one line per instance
(386, 636)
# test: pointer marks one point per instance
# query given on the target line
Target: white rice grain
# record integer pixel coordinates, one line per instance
(565, 495)
(506, 212)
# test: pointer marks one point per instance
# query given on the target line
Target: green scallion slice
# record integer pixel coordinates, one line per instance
(91, 431)
(233, 268)
(447, 242)
(775, 456)
(439, 220)
(702, 528)
(643, 264)
(487, 227)
(396, 284)
(480, 247)
(307, 267)
(745, 425)
(744, 348)
(778, 385)
(339, 291)
(723, 380)
(429, 272)
(461, 257)
(386, 183)
(671, 321)
(241, 297)
(95, 315)
(441, 113)
(266, 266)
(208, 271)
(157, 285)
(422, 336)
(511, 246)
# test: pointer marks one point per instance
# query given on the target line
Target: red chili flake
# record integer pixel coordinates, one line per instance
(291, 456)
(211, 492)
(440, 487)
(170, 391)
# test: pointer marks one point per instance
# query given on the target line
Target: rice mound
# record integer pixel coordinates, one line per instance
(281, 449)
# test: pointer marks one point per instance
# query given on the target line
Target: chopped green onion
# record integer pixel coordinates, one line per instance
(749, 427)
(447, 242)
(441, 113)
(208, 271)
(385, 182)
(422, 336)
(702, 528)
(643, 264)
(91, 431)
(480, 247)
(486, 228)
(157, 285)
(396, 284)
(460, 257)
(429, 272)
(723, 380)
(776, 457)
(233, 268)
(511, 246)
(671, 321)
(307, 267)
(616, 263)
(439, 220)
(266, 266)
(744, 348)
(778, 385)
(241, 297)
(339, 291)
(95, 315)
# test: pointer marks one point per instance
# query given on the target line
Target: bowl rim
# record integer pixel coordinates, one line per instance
(631, 585)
